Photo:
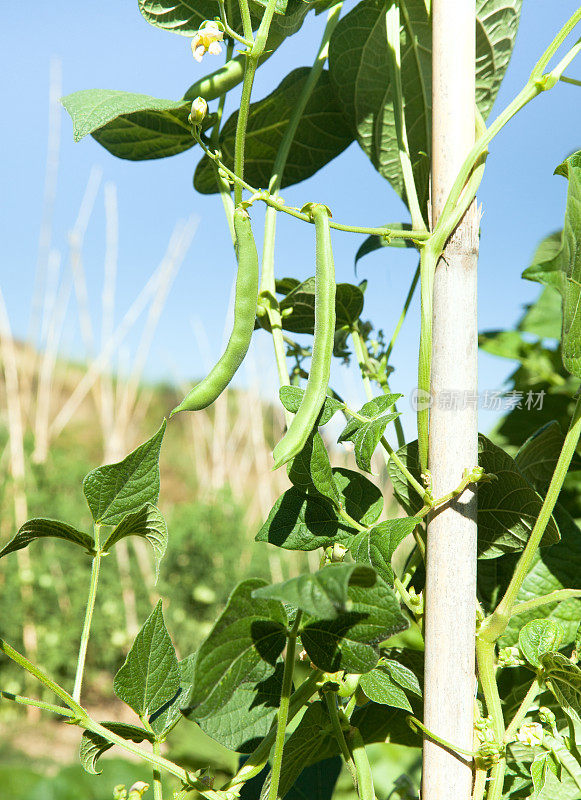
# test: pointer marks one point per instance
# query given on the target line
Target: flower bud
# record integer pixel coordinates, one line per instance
(199, 111)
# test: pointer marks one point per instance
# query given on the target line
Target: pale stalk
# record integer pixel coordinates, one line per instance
(88, 619)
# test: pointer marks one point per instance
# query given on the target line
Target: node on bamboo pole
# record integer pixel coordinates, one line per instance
(451, 546)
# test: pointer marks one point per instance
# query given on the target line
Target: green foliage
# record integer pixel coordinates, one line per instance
(539, 637)
(47, 528)
(350, 640)
(507, 506)
(321, 136)
(562, 271)
(131, 126)
(93, 745)
(239, 683)
(359, 61)
(299, 521)
(114, 490)
(150, 676)
(243, 645)
(149, 524)
(377, 545)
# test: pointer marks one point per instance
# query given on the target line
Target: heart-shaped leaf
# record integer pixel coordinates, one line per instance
(299, 521)
(539, 637)
(243, 721)
(148, 523)
(359, 65)
(376, 546)
(379, 686)
(114, 490)
(47, 529)
(150, 676)
(321, 135)
(322, 594)
(243, 646)
(93, 745)
(350, 642)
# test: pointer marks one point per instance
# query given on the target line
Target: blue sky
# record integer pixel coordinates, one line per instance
(109, 45)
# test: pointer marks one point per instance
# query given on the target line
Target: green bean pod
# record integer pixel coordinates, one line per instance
(318, 382)
(212, 386)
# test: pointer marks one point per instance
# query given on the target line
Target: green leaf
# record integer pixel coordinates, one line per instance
(311, 741)
(538, 637)
(298, 521)
(279, 7)
(291, 397)
(150, 676)
(243, 721)
(359, 65)
(373, 242)
(322, 594)
(564, 680)
(93, 745)
(367, 435)
(310, 470)
(166, 717)
(563, 271)
(131, 126)
(506, 344)
(148, 523)
(186, 16)
(377, 546)
(243, 646)
(114, 490)
(298, 306)
(350, 642)
(321, 135)
(47, 528)
(555, 567)
(379, 686)
(361, 499)
(542, 764)
(508, 507)
(538, 456)
(180, 16)
(403, 675)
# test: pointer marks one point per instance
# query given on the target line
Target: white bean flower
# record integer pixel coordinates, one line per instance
(207, 40)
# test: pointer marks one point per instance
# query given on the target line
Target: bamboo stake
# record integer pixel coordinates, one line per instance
(451, 546)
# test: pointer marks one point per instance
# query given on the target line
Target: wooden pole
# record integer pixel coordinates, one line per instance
(451, 546)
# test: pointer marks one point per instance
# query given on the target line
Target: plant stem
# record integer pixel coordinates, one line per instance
(331, 702)
(246, 20)
(29, 701)
(487, 676)
(428, 261)
(555, 44)
(365, 789)
(267, 279)
(415, 723)
(252, 59)
(283, 709)
(534, 689)
(480, 776)
(418, 237)
(40, 676)
(554, 597)
(88, 618)
(257, 760)
(496, 624)
(157, 785)
(392, 24)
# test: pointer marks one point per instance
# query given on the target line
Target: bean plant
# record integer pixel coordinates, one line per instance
(301, 676)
